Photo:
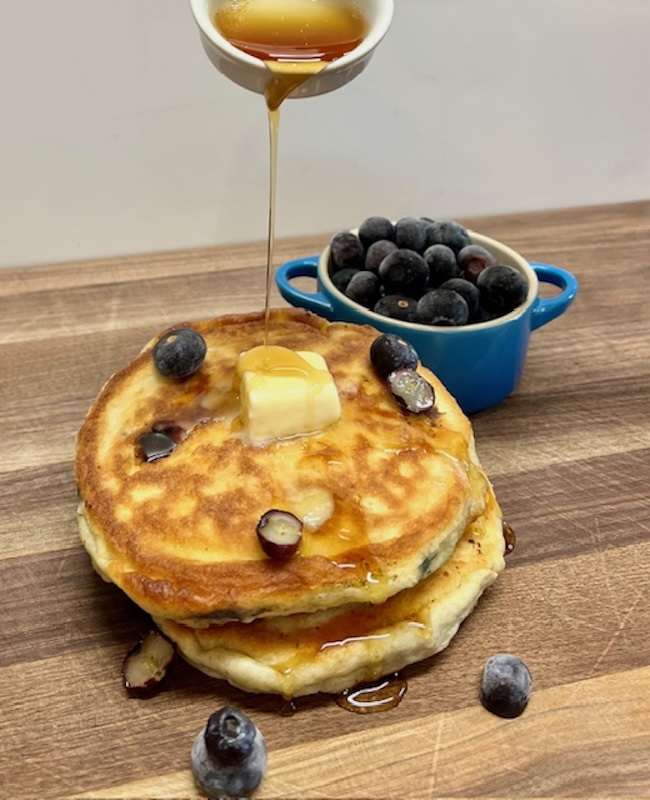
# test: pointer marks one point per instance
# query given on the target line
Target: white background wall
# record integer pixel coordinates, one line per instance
(118, 136)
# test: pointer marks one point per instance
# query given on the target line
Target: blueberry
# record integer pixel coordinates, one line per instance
(346, 250)
(485, 314)
(375, 228)
(404, 272)
(502, 288)
(155, 445)
(442, 307)
(363, 288)
(466, 290)
(448, 232)
(229, 736)
(411, 234)
(341, 278)
(396, 306)
(279, 533)
(229, 755)
(179, 353)
(377, 252)
(411, 390)
(473, 259)
(442, 264)
(506, 685)
(147, 664)
(390, 352)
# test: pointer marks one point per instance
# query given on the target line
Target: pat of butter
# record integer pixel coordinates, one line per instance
(284, 393)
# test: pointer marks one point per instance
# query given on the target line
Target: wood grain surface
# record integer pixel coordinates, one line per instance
(569, 454)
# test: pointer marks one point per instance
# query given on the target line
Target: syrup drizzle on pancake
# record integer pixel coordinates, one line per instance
(281, 362)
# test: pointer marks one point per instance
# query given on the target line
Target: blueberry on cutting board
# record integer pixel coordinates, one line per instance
(229, 756)
(506, 685)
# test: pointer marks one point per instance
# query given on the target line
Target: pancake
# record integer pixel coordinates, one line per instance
(387, 494)
(333, 650)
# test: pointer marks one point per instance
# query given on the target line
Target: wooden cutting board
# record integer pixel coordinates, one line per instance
(569, 455)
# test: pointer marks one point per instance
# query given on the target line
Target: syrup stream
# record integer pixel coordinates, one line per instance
(295, 39)
(274, 125)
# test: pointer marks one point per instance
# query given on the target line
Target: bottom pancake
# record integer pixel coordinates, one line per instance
(333, 650)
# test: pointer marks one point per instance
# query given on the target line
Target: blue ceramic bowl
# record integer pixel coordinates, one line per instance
(480, 364)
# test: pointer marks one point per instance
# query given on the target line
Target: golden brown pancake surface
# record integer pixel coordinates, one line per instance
(332, 650)
(178, 535)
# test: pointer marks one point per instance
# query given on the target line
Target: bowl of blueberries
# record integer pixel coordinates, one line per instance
(466, 302)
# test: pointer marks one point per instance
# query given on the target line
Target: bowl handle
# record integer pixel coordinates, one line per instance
(318, 302)
(546, 309)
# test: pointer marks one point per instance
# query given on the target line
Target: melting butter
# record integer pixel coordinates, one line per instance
(284, 393)
(313, 505)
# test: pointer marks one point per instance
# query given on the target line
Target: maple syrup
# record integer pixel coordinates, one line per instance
(291, 30)
(370, 698)
(509, 537)
(296, 39)
(280, 361)
(287, 707)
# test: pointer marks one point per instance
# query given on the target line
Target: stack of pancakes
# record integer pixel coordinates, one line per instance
(402, 532)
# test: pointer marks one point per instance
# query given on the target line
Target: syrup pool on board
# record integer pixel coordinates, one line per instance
(296, 39)
(373, 697)
(370, 698)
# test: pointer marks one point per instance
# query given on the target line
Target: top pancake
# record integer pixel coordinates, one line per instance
(178, 535)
